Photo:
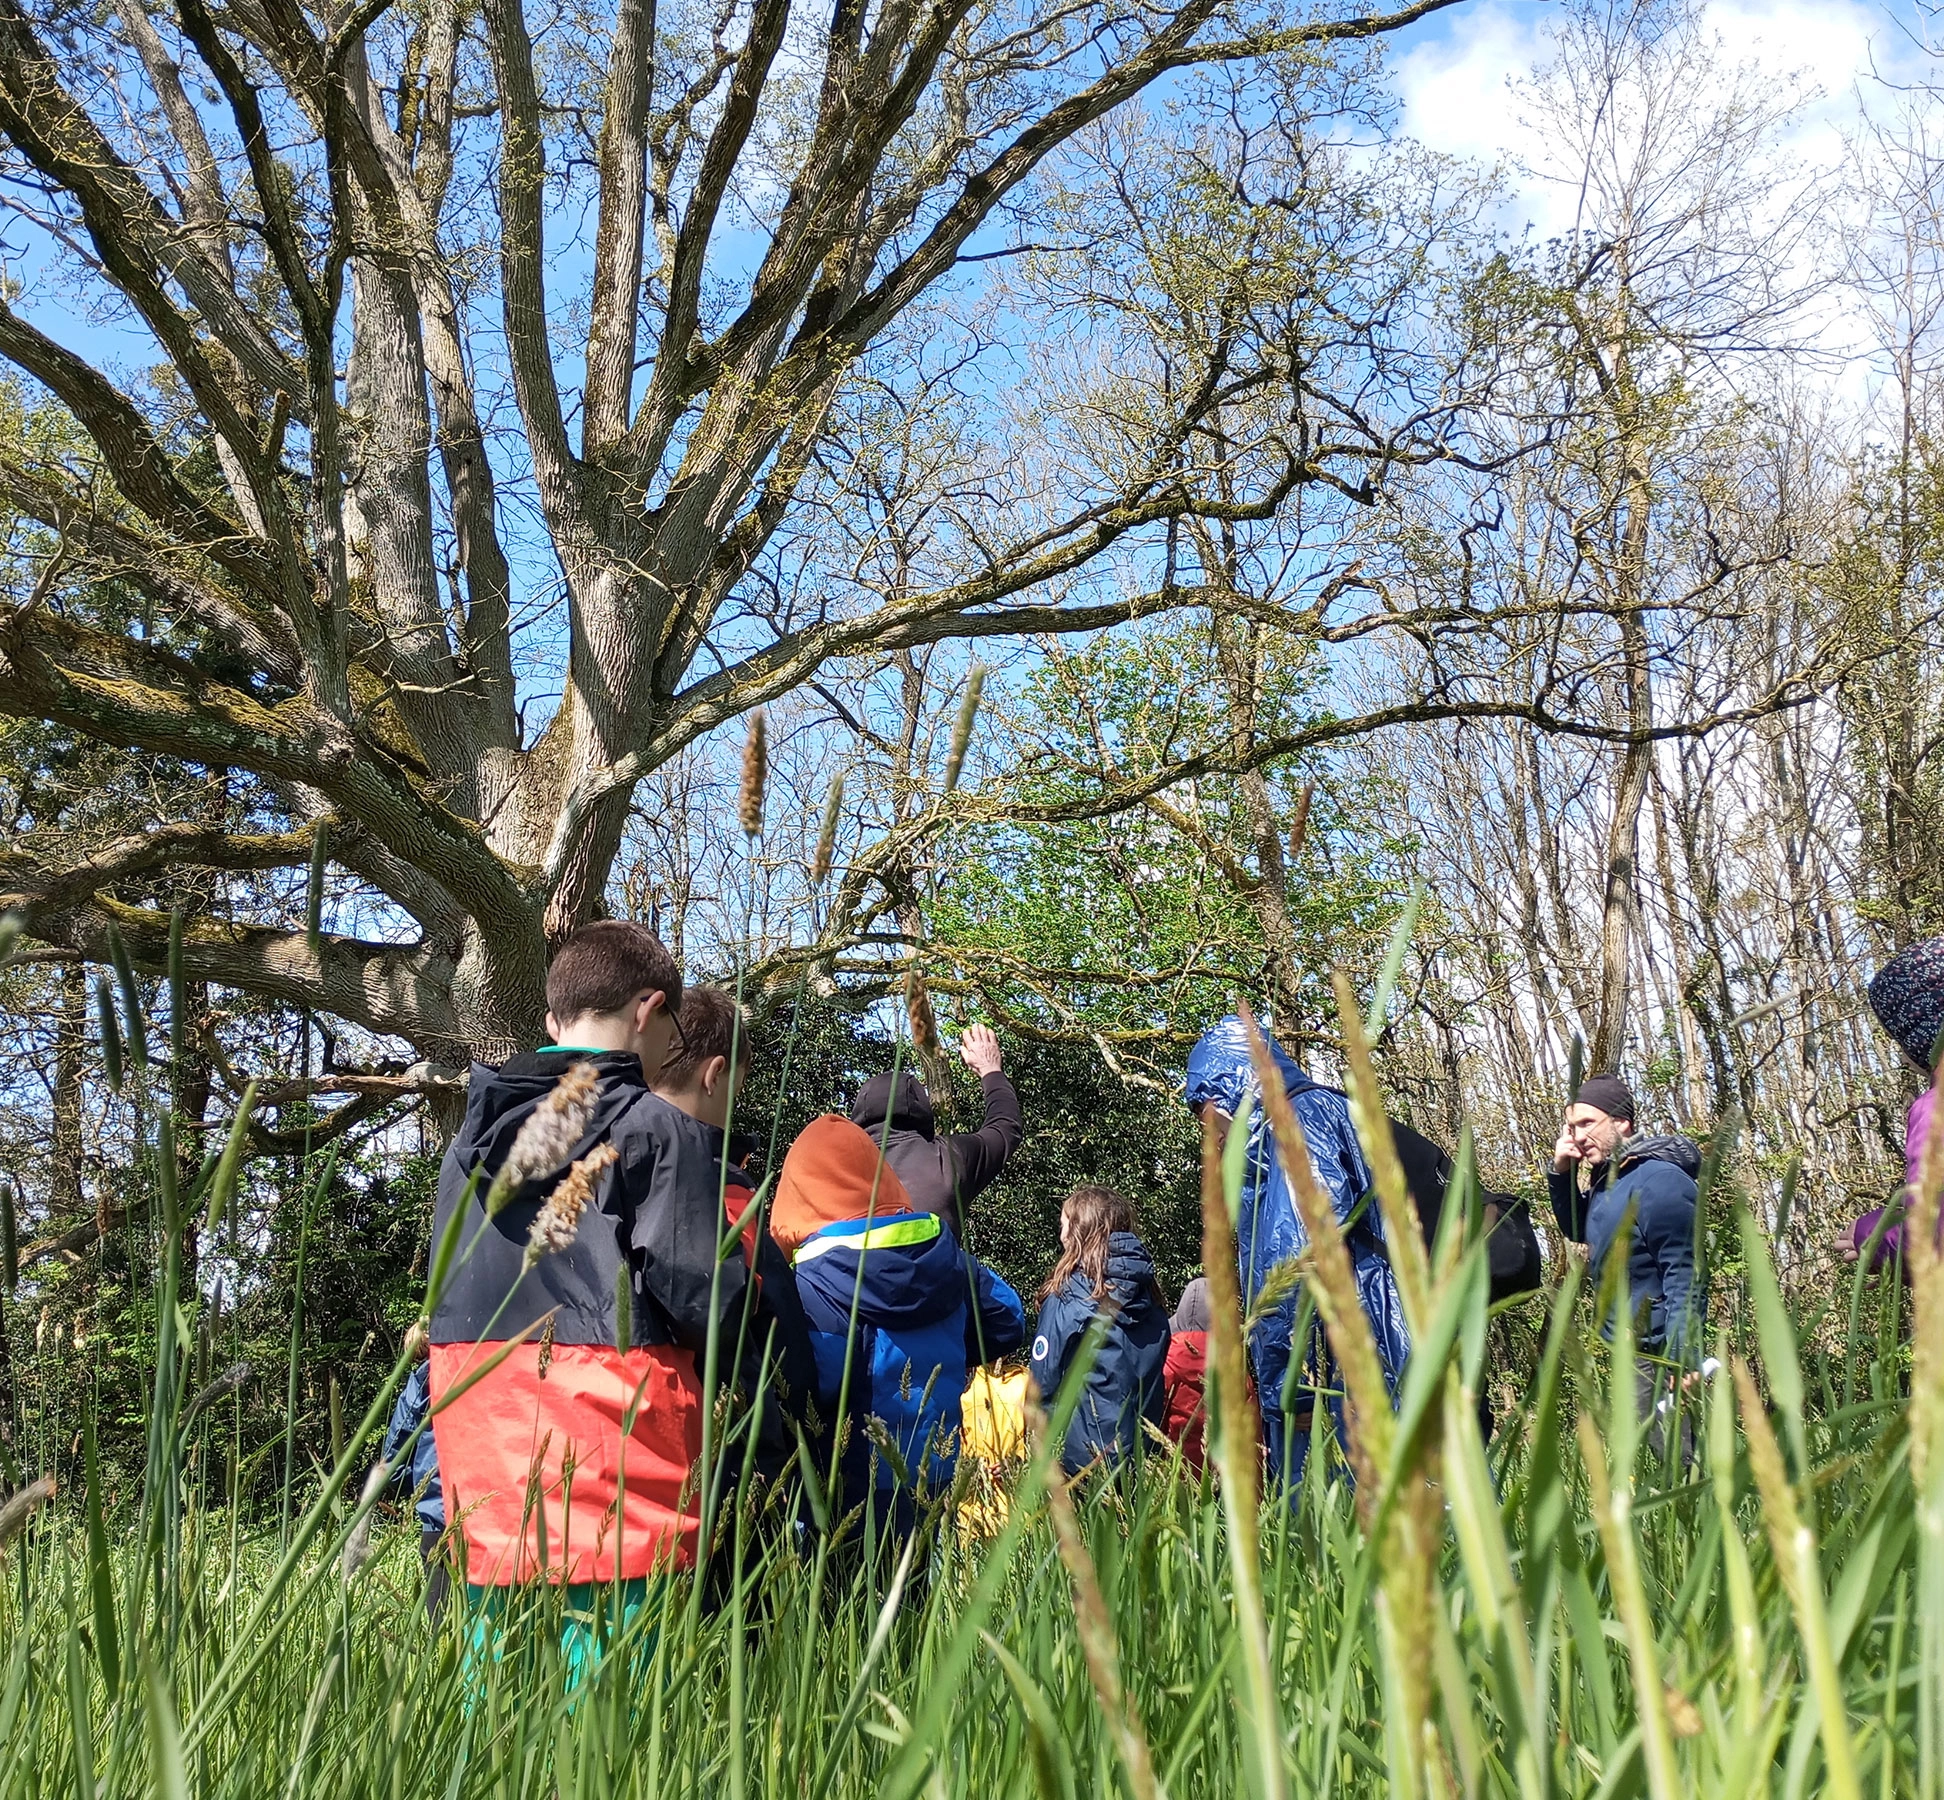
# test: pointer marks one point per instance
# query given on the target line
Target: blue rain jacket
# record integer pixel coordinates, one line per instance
(918, 1335)
(1270, 1230)
(1125, 1384)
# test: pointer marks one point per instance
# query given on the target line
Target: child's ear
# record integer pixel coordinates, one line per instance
(712, 1073)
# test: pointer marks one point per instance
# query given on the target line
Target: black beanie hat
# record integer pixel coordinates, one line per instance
(1609, 1093)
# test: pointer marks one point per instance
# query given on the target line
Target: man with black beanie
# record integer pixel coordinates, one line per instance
(1602, 1170)
(944, 1174)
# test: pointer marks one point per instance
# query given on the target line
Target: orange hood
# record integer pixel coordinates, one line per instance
(833, 1172)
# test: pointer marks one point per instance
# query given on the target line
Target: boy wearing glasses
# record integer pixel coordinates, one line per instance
(590, 1246)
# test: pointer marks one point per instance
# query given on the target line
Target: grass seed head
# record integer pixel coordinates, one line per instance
(22, 1506)
(230, 1381)
(357, 1547)
(755, 774)
(549, 1135)
(827, 837)
(962, 730)
(918, 1011)
(557, 1223)
(1299, 822)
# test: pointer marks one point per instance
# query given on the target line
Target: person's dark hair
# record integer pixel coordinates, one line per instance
(710, 1028)
(1091, 1215)
(1610, 1094)
(605, 965)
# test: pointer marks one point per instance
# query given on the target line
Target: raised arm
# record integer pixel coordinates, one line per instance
(978, 1156)
(1562, 1185)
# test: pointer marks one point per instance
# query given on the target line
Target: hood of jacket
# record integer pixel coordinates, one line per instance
(500, 1101)
(1219, 1068)
(833, 1172)
(1683, 1153)
(1130, 1275)
(1130, 1270)
(896, 1286)
(909, 1109)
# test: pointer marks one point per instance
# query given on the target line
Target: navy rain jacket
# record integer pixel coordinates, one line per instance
(1125, 1384)
(1655, 1176)
(918, 1335)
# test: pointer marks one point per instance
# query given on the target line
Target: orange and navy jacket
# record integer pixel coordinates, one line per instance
(572, 1460)
(898, 1313)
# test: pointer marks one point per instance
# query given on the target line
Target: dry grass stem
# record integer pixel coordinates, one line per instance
(1232, 1426)
(1403, 1229)
(1095, 1624)
(1613, 1515)
(1798, 1561)
(1332, 1280)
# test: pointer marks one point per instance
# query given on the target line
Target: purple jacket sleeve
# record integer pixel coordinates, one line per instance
(1888, 1247)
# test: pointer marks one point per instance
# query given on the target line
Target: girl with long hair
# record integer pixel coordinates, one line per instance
(1104, 1272)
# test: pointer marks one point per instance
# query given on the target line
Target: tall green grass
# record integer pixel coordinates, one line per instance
(1594, 1623)
(1560, 1612)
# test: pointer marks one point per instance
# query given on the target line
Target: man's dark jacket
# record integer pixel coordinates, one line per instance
(1127, 1381)
(942, 1175)
(1655, 1177)
(1511, 1247)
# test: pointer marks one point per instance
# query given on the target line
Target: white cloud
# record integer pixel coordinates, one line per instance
(1456, 83)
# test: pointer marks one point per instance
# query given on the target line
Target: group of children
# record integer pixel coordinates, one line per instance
(603, 1276)
(602, 1269)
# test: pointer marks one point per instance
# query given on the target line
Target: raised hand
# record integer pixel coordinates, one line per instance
(980, 1047)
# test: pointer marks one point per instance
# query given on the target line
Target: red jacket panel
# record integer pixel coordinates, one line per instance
(539, 1475)
(1182, 1379)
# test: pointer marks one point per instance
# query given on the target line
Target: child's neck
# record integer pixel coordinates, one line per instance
(700, 1106)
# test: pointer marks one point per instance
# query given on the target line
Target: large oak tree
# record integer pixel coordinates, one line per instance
(343, 236)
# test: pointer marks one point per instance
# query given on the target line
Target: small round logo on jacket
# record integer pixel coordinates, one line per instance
(1040, 1348)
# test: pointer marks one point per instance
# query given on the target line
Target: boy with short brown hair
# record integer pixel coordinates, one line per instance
(590, 1233)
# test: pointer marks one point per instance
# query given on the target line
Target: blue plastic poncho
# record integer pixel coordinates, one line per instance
(1269, 1230)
